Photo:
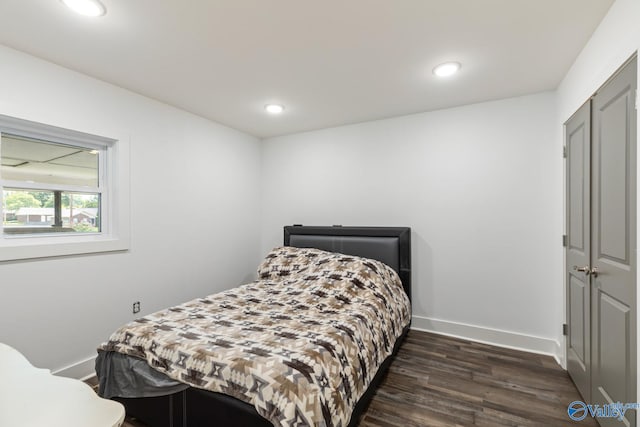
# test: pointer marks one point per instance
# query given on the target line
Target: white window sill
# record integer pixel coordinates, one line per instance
(14, 249)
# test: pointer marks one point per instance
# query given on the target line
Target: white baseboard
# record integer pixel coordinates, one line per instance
(80, 370)
(495, 337)
(560, 354)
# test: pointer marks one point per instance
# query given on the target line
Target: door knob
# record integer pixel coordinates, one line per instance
(586, 270)
(595, 271)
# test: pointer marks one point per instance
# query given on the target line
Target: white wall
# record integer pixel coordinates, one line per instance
(480, 185)
(194, 216)
(481, 188)
(614, 41)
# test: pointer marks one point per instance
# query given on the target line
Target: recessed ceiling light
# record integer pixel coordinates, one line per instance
(274, 108)
(86, 7)
(447, 69)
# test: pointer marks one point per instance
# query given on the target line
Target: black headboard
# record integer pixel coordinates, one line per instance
(391, 245)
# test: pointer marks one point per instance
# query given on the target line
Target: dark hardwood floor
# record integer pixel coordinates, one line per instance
(441, 381)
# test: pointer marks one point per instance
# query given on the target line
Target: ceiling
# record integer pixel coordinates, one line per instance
(329, 62)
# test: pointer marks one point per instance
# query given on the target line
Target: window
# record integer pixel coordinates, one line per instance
(58, 191)
(49, 187)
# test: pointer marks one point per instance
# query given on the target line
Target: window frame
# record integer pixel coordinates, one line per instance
(113, 183)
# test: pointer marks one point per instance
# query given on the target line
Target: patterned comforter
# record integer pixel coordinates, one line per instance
(301, 344)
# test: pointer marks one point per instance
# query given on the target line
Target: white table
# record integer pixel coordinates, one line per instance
(33, 397)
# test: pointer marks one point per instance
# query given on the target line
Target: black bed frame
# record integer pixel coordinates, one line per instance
(199, 408)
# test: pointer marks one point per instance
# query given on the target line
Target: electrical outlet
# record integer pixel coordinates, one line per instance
(136, 307)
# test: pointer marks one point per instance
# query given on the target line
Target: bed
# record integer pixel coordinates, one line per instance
(320, 330)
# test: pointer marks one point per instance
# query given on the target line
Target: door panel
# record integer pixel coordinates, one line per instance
(579, 294)
(613, 178)
(613, 234)
(578, 161)
(614, 316)
(578, 142)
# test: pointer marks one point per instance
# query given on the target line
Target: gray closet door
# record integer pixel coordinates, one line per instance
(613, 239)
(578, 207)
